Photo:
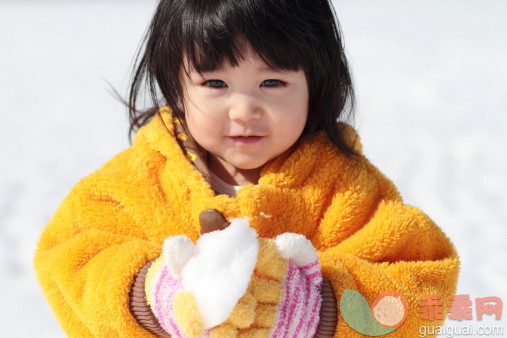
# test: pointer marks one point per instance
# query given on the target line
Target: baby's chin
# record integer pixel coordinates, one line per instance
(248, 166)
(243, 162)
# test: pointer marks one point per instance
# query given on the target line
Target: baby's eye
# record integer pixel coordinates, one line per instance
(214, 84)
(272, 83)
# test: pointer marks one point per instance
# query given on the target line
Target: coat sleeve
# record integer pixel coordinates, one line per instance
(86, 260)
(371, 242)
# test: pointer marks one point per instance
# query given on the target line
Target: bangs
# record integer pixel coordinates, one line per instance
(215, 32)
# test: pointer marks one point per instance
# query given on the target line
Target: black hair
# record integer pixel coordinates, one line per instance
(286, 34)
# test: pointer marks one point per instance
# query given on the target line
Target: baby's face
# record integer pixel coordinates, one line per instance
(246, 115)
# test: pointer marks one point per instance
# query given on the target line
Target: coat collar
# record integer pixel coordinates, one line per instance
(292, 194)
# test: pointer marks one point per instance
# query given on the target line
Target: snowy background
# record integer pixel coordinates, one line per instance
(431, 79)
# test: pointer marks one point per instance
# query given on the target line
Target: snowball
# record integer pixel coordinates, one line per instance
(296, 248)
(177, 251)
(219, 272)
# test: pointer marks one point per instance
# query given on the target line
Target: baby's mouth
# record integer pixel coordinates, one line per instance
(246, 139)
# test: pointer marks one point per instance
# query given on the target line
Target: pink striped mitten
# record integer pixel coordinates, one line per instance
(164, 292)
(286, 284)
(281, 297)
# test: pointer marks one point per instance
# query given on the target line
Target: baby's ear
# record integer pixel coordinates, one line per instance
(211, 220)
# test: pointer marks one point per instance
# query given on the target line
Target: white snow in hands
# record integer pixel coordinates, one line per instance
(217, 270)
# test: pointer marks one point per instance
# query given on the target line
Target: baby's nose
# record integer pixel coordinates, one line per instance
(245, 107)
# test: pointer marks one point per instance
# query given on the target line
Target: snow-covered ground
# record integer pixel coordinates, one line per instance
(431, 80)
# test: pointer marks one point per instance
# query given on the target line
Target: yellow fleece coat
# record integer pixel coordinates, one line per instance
(115, 220)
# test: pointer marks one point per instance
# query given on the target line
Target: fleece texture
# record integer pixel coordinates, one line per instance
(115, 220)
